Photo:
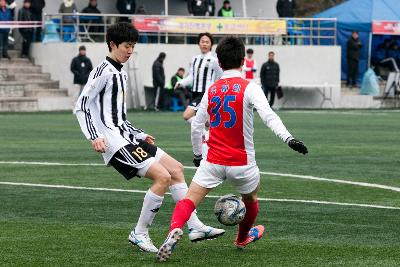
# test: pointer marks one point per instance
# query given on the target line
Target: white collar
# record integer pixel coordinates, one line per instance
(231, 74)
(206, 54)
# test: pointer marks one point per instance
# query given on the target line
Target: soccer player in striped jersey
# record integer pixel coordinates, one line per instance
(101, 112)
(204, 71)
(228, 104)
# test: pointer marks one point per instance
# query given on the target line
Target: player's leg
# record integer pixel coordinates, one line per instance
(132, 161)
(182, 212)
(190, 111)
(151, 204)
(198, 231)
(207, 177)
(246, 232)
(246, 179)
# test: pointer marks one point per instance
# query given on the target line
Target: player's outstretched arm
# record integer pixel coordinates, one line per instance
(298, 146)
(256, 97)
(188, 80)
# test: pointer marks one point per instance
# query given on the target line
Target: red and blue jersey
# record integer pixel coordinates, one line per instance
(225, 108)
(228, 106)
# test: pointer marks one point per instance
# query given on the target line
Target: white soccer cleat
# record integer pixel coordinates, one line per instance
(143, 241)
(205, 233)
(165, 251)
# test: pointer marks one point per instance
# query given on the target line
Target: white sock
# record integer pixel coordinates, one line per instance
(178, 192)
(151, 205)
(190, 120)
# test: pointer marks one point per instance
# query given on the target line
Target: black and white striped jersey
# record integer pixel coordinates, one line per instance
(101, 108)
(204, 71)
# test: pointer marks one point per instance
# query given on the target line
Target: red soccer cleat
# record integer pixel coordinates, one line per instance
(254, 234)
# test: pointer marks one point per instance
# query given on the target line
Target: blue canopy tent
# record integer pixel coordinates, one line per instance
(357, 15)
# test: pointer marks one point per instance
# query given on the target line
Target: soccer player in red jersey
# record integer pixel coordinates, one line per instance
(229, 105)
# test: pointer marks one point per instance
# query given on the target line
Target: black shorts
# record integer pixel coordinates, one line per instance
(196, 99)
(125, 159)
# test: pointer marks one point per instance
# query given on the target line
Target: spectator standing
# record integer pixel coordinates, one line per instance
(81, 66)
(182, 93)
(5, 15)
(25, 14)
(68, 6)
(226, 10)
(141, 10)
(158, 80)
(353, 56)
(198, 7)
(211, 8)
(126, 7)
(37, 9)
(92, 9)
(250, 65)
(286, 8)
(269, 76)
(11, 4)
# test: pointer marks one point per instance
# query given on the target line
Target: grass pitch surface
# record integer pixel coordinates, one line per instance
(66, 226)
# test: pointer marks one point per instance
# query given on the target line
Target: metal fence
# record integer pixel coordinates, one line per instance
(82, 27)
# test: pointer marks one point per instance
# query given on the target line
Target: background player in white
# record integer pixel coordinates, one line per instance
(204, 71)
(228, 104)
(101, 111)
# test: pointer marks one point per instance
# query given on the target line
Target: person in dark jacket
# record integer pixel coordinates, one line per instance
(81, 66)
(126, 7)
(25, 14)
(11, 4)
(198, 7)
(92, 9)
(37, 9)
(211, 8)
(286, 8)
(5, 15)
(269, 76)
(158, 80)
(353, 56)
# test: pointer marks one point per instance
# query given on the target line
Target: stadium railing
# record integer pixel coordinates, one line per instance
(79, 27)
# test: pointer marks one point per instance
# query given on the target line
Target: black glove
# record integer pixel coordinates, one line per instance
(298, 146)
(196, 160)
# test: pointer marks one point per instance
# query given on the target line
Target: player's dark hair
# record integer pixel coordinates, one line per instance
(181, 69)
(230, 53)
(205, 34)
(250, 51)
(121, 32)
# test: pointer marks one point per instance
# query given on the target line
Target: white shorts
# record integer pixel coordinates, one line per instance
(142, 171)
(244, 178)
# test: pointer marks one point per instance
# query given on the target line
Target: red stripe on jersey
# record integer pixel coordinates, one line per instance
(225, 107)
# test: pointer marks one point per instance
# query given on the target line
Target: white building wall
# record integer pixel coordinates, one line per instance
(300, 65)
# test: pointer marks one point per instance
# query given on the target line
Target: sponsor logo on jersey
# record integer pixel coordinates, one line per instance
(213, 90)
(236, 88)
(224, 88)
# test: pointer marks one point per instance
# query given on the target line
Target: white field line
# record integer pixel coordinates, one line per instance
(306, 177)
(210, 196)
(358, 113)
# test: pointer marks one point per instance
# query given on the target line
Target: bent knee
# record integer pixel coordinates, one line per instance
(163, 179)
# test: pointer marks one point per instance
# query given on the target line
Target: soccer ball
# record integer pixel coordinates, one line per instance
(230, 210)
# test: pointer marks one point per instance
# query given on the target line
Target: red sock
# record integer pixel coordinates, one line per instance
(182, 212)
(248, 221)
